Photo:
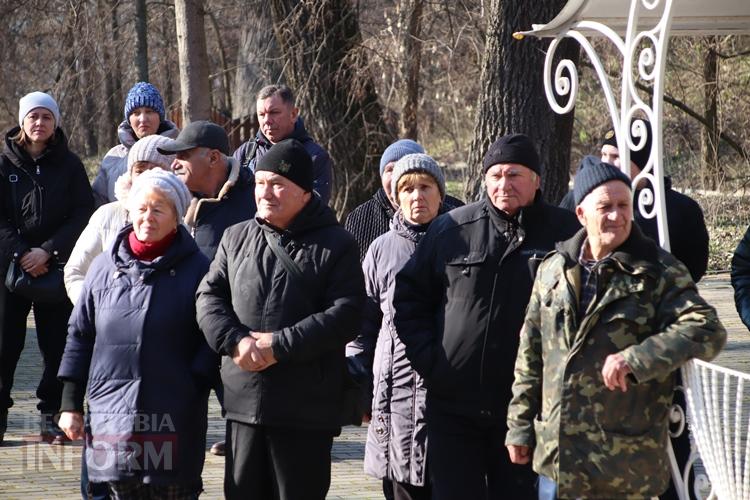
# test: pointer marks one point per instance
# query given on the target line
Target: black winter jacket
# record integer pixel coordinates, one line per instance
(741, 278)
(247, 289)
(322, 169)
(688, 236)
(460, 301)
(54, 199)
(373, 218)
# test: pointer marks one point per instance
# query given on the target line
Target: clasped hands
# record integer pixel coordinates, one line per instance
(35, 262)
(254, 353)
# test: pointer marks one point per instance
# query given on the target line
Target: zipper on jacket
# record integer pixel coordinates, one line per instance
(486, 332)
(38, 172)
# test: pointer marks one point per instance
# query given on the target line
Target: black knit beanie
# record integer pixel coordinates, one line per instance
(289, 159)
(592, 173)
(513, 148)
(640, 157)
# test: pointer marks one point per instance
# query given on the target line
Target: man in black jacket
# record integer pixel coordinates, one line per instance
(280, 301)
(688, 236)
(222, 191)
(459, 306)
(278, 119)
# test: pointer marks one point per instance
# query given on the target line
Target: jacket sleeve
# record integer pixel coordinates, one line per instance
(741, 278)
(416, 299)
(322, 174)
(10, 241)
(62, 241)
(337, 322)
(240, 152)
(100, 186)
(205, 363)
(215, 313)
(527, 385)
(687, 328)
(79, 345)
(88, 246)
(694, 244)
(363, 347)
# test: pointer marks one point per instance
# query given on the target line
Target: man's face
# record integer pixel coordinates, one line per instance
(611, 155)
(511, 186)
(278, 199)
(385, 180)
(192, 166)
(276, 118)
(607, 214)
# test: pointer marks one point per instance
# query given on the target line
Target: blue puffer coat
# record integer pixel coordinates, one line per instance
(134, 338)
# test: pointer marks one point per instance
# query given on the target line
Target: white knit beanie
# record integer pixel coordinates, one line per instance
(167, 183)
(145, 150)
(37, 100)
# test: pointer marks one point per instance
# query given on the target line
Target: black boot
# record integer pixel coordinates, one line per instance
(3, 424)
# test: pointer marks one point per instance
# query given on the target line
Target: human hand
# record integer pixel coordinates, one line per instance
(264, 343)
(35, 261)
(250, 357)
(71, 423)
(615, 371)
(519, 454)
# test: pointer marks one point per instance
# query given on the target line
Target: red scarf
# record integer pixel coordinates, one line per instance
(149, 250)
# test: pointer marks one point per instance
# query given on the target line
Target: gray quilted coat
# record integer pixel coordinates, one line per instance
(397, 437)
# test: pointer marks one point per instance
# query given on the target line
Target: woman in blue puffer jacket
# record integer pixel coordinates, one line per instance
(135, 348)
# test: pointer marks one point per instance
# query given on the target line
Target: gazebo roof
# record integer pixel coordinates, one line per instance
(689, 17)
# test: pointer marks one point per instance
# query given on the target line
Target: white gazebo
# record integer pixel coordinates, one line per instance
(640, 31)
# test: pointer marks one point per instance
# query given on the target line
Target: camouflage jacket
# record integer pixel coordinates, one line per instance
(597, 443)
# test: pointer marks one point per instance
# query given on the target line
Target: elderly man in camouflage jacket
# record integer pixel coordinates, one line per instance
(611, 318)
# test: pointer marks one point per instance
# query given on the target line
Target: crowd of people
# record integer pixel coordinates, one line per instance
(505, 348)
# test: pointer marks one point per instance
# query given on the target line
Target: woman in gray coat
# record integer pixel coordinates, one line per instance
(397, 437)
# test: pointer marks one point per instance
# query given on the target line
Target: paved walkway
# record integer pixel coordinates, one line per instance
(30, 470)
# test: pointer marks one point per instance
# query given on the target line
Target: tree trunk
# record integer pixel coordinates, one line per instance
(193, 59)
(258, 58)
(410, 24)
(328, 67)
(112, 112)
(141, 45)
(512, 98)
(712, 171)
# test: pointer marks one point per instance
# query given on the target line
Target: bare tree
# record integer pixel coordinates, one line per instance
(410, 24)
(511, 98)
(326, 64)
(141, 30)
(258, 58)
(193, 59)
(712, 171)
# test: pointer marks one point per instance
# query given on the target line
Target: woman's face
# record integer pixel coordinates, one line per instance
(419, 198)
(39, 125)
(153, 215)
(142, 166)
(144, 121)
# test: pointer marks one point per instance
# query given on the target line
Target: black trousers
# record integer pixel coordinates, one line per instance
(467, 459)
(265, 463)
(393, 490)
(51, 331)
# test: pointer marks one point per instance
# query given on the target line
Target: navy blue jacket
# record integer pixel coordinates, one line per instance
(134, 340)
(322, 170)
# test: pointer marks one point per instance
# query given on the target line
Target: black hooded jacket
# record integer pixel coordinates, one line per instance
(247, 289)
(53, 199)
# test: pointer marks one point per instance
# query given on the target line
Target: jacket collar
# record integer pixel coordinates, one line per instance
(526, 217)
(127, 136)
(299, 133)
(197, 203)
(19, 157)
(638, 251)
